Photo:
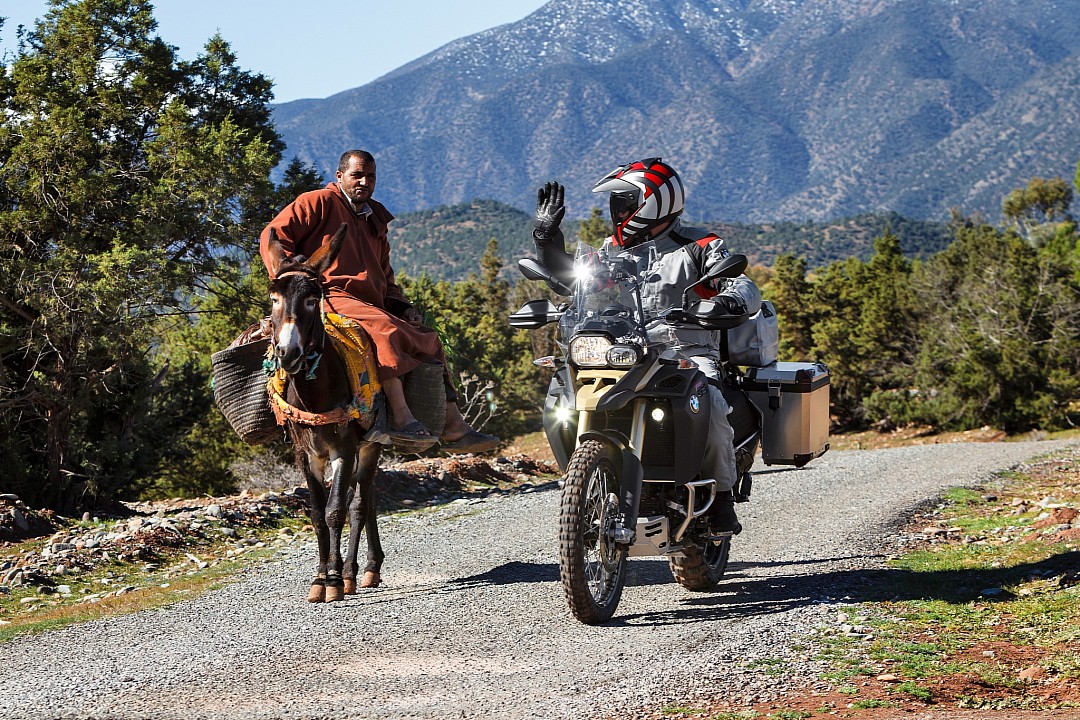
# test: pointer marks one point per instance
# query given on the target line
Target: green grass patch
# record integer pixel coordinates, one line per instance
(150, 595)
(848, 671)
(994, 584)
(772, 666)
(791, 714)
(964, 496)
(914, 690)
(870, 703)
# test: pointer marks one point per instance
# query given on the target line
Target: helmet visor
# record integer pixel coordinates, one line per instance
(624, 203)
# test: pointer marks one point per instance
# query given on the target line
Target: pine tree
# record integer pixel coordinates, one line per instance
(593, 230)
(125, 177)
(789, 290)
(1000, 336)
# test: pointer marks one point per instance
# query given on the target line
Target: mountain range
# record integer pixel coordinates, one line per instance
(772, 110)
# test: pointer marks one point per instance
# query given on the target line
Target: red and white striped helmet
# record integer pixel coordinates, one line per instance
(644, 195)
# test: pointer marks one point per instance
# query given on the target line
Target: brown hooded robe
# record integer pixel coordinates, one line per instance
(360, 282)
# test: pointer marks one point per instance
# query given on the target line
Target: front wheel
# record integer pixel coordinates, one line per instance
(702, 565)
(592, 566)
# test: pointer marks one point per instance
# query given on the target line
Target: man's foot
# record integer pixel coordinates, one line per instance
(472, 441)
(722, 518)
(413, 438)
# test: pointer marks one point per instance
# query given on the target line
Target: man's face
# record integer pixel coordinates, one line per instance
(358, 180)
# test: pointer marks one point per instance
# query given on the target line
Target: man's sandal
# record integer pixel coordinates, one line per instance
(471, 442)
(413, 438)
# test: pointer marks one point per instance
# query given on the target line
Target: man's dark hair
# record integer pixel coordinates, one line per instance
(343, 163)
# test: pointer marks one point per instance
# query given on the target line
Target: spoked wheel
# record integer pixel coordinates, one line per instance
(702, 565)
(591, 565)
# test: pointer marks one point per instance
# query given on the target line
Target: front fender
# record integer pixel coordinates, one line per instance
(562, 439)
(628, 466)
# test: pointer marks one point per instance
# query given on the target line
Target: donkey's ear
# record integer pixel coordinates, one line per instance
(275, 254)
(325, 255)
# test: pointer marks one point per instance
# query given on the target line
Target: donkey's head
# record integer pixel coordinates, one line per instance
(295, 294)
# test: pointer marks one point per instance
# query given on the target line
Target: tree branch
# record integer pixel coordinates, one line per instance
(15, 308)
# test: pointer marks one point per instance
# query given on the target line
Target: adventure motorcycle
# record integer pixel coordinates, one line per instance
(627, 419)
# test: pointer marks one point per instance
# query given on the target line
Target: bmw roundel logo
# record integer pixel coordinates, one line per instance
(695, 404)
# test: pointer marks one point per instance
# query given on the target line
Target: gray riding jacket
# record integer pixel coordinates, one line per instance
(668, 265)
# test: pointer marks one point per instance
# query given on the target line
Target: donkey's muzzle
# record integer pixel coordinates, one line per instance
(291, 358)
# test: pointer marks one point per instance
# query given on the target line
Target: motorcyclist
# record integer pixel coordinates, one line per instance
(646, 200)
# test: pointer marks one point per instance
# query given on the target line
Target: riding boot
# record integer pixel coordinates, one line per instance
(722, 518)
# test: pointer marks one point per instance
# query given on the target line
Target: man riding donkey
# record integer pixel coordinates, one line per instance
(360, 285)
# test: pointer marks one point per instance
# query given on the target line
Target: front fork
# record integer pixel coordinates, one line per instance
(624, 453)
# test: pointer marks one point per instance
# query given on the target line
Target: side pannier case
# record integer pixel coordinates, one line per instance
(793, 398)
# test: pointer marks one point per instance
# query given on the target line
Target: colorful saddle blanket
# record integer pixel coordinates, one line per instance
(357, 353)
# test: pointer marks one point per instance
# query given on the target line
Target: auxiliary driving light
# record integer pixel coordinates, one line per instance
(563, 415)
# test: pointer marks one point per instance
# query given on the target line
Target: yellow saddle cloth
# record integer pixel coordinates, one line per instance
(357, 353)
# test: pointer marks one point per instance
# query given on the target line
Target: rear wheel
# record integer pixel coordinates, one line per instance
(591, 564)
(701, 566)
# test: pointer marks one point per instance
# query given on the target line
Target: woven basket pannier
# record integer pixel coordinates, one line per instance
(425, 395)
(240, 391)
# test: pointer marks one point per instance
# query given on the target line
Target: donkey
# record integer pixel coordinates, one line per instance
(323, 435)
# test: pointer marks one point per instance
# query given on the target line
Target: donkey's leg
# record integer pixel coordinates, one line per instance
(337, 504)
(356, 525)
(365, 490)
(317, 513)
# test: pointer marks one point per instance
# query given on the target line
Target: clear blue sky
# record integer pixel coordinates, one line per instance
(310, 49)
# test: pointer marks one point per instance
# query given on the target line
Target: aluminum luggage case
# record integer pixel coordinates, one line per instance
(793, 398)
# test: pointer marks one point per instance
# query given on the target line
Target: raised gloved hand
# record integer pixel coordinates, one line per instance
(549, 212)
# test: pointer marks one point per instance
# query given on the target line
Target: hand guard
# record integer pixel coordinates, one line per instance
(549, 212)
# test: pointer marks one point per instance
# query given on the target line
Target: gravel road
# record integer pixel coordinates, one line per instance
(472, 623)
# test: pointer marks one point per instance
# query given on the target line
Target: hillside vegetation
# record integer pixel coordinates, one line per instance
(447, 242)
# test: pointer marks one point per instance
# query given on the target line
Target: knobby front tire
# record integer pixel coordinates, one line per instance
(592, 566)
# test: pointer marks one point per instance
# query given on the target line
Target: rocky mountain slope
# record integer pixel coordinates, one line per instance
(772, 109)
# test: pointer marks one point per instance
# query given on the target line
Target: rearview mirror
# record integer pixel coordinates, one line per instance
(533, 270)
(730, 267)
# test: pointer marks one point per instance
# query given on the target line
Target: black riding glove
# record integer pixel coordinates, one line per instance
(733, 305)
(549, 212)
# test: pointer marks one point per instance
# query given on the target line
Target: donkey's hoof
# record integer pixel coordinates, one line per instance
(371, 580)
(317, 593)
(350, 586)
(334, 593)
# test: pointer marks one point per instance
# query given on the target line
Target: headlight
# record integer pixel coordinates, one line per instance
(597, 351)
(590, 350)
(621, 356)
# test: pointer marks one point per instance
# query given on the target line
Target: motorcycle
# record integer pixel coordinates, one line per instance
(627, 419)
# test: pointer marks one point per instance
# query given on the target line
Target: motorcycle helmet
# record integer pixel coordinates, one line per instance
(644, 195)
